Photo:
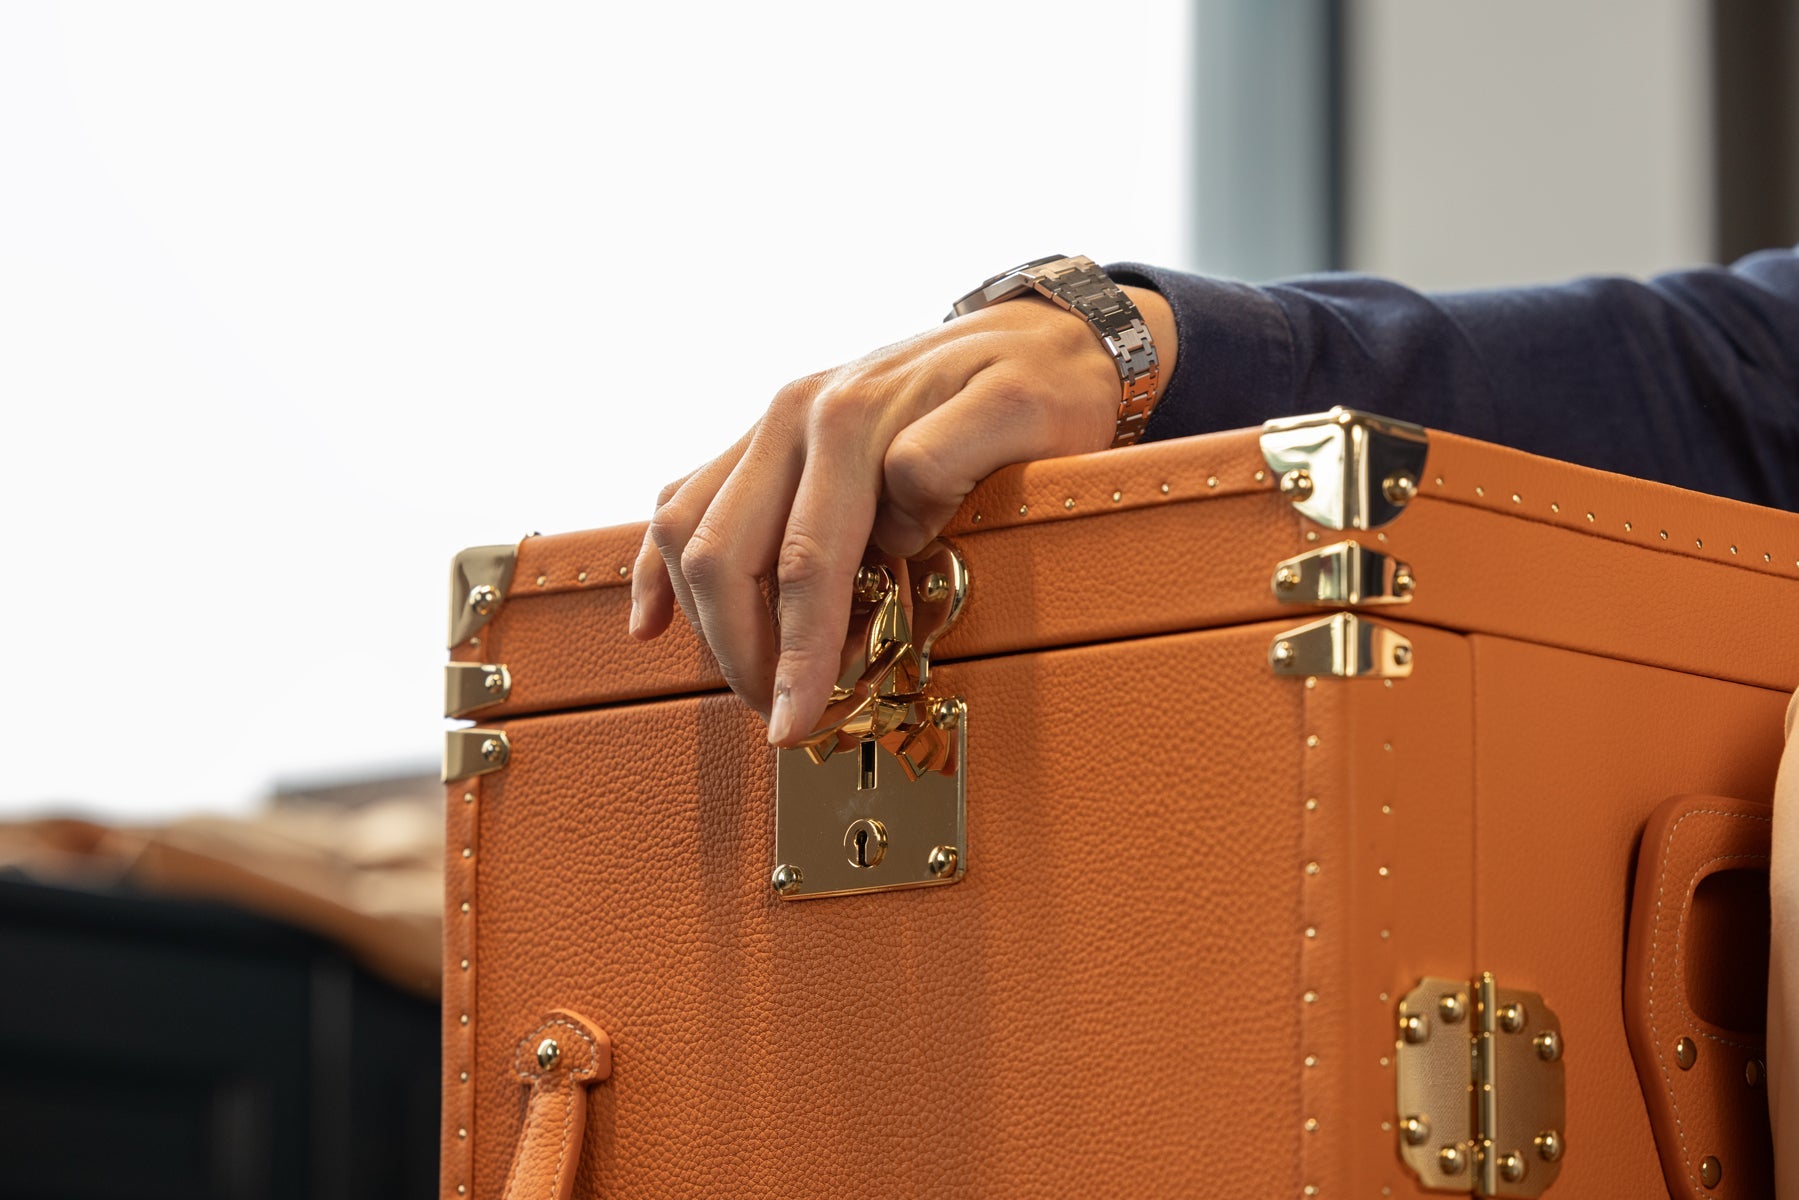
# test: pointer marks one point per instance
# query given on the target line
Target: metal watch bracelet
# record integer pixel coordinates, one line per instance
(1077, 284)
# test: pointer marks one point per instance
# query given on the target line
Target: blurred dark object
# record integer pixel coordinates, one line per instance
(360, 863)
(166, 1048)
(1755, 118)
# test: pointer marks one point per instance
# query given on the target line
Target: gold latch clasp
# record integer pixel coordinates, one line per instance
(873, 798)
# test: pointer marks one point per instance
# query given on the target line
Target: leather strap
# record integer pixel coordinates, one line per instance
(560, 1059)
(1695, 986)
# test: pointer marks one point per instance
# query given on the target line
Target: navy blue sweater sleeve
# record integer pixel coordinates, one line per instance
(1690, 378)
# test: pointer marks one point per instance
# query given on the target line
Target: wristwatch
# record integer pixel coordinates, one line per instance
(1078, 285)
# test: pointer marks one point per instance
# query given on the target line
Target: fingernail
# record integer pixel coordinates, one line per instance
(780, 717)
(636, 615)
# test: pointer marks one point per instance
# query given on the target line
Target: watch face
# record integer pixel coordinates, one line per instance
(1035, 262)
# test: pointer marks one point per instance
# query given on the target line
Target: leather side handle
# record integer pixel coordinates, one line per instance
(560, 1059)
(1695, 985)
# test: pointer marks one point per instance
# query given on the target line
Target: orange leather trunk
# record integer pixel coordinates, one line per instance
(1196, 887)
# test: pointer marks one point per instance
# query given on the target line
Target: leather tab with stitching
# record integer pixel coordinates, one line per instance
(549, 1146)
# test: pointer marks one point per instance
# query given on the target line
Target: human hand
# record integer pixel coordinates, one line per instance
(882, 449)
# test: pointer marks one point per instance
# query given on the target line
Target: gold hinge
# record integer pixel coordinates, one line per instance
(472, 686)
(1345, 573)
(472, 752)
(1346, 469)
(1481, 1088)
(874, 798)
(1342, 645)
(479, 577)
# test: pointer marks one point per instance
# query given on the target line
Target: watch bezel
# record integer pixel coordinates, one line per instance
(1003, 286)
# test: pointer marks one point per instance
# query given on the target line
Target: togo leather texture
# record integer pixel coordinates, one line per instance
(1694, 997)
(1195, 891)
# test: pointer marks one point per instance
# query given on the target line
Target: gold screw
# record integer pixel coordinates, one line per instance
(1511, 1166)
(1452, 1007)
(1297, 484)
(1511, 1017)
(1549, 1045)
(1549, 1145)
(1286, 579)
(1402, 655)
(493, 749)
(1710, 1170)
(1415, 1130)
(935, 586)
(786, 878)
(1399, 488)
(1686, 1053)
(483, 598)
(547, 1053)
(494, 681)
(1282, 655)
(1452, 1160)
(1403, 580)
(942, 860)
(948, 713)
(1415, 1028)
(872, 583)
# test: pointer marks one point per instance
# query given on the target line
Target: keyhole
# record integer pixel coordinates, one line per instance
(866, 781)
(865, 843)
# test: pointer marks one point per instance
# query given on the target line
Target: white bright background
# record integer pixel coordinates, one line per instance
(296, 303)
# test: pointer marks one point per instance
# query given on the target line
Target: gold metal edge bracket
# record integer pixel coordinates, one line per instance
(469, 687)
(479, 577)
(1344, 646)
(472, 752)
(1346, 469)
(1346, 573)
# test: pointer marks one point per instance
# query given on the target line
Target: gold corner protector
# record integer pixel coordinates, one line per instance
(470, 687)
(479, 577)
(472, 752)
(1346, 469)
(1344, 646)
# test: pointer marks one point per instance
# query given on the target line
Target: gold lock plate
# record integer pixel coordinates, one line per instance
(874, 798)
(1481, 1100)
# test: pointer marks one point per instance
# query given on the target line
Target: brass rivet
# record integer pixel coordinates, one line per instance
(1311, 535)
(1686, 1053)
(1517, 499)
(468, 797)
(1387, 746)
(949, 712)
(1451, 1160)
(1383, 872)
(1380, 537)
(1311, 931)
(1439, 481)
(1767, 558)
(494, 681)
(462, 1189)
(542, 579)
(1479, 490)
(1310, 997)
(935, 586)
(1068, 503)
(786, 878)
(1415, 1130)
(1311, 1060)
(1023, 509)
(1286, 579)
(1296, 484)
(1311, 1124)
(1698, 543)
(1554, 507)
(1117, 496)
(1512, 1016)
(1414, 1028)
(467, 852)
(474, 643)
(1312, 868)
(1384, 1060)
(581, 576)
(1282, 654)
(1311, 741)
(1511, 1166)
(1385, 934)
(1310, 1189)
(1591, 518)
(465, 906)
(1402, 654)
(1164, 489)
(1386, 810)
(1664, 535)
(975, 519)
(942, 860)
(493, 749)
(462, 1133)
(547, 1053)
(1404, 582)
(1311, 682)
(623, 571)
(483, 598)
(1399, 488)
(1261, 475)
(464, 1019)
(1548, 1044)
(1211, 481)
(465, 964)
(1549, 1145)
(1753, 1070)
(1733, 549)
(463, 1077)
(1452, 1007)
(1311, 804)
(1710, 1170)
